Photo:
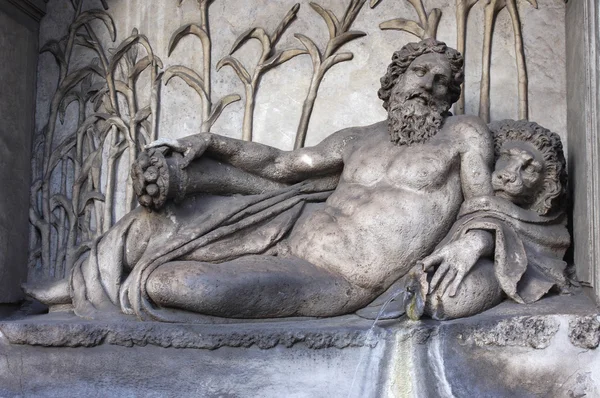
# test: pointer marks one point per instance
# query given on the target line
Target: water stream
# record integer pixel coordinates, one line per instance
(369, 335)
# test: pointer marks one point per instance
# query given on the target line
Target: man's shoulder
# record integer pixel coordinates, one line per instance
(467, 123)
(469, 127)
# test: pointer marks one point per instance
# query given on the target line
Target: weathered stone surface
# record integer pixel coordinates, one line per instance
(584, 332)
(536, 332)
(404, 359)
(59, 330)
(18, 45)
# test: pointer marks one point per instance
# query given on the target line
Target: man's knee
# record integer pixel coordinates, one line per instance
(478, 292)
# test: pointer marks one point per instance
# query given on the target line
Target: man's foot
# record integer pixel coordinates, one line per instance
(50, 293)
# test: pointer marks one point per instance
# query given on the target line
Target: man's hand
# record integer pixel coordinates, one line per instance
(191, 147)
(456, 259)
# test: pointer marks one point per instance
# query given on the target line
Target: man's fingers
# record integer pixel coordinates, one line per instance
(438, 275)
(428, 262)
(168, 142)
(456, 283)
(450, 276)
(188, 156)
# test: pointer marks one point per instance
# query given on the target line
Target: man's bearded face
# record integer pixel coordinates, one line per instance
(420, 100)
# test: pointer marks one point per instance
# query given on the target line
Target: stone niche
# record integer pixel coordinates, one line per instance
(165, 65)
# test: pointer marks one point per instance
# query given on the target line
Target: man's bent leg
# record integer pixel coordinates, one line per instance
(254, 287)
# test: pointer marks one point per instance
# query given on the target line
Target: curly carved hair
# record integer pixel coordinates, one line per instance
(552, 196)
(402, 59)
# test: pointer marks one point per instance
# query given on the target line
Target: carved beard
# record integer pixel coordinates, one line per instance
(410, 121)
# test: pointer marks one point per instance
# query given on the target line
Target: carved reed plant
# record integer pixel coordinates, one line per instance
(322, 61)
(200, 84)
(71, 202)
(425, 28)
(491, 10)
(269, 59)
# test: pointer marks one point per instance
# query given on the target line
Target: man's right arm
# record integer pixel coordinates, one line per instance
(269, 162)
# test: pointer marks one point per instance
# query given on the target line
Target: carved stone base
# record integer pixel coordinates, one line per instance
(546, 349)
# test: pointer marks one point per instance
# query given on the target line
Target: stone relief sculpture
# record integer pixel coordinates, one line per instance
(325, 230)
(70, 203)
(526, 216)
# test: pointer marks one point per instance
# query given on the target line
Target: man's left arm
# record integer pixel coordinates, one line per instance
(455, 260)
(477, 157)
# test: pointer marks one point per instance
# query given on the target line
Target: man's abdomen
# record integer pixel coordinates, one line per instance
(374, 235)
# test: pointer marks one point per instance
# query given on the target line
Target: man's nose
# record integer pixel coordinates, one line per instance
(427, 82)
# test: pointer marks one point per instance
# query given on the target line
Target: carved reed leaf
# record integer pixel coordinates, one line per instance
(283, 25)
(187, 75)
(433, 20)
(282, 56)
(66, 101)
(61, 200)
(142, 114)
(72, 79)
(89, 16)
(336, 59)
(253, 33)
(190, 29)
(405, 25)
(85, 40)
(88, 196)
(119, 124)
(373, 3)
(237, 66)
(218, 108)
(312, 48)
(128, 45)
(93, 160)
(142, 64)
(59, 153)
(329, 18)
(338, 41)
(55, 48)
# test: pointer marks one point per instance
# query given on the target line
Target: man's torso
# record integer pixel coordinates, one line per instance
(392, 206)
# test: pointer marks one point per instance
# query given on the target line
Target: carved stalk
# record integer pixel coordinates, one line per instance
(132, 150)
(61, 243)
(520, 58)
(490, 11)
(248, 112)
(155, 82)
(206, 59)
(307, 108)
(110, 185)
(463, 7)
(339, 34)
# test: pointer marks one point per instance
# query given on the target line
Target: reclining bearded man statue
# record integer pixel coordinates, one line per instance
(527, 219)
(319, 231)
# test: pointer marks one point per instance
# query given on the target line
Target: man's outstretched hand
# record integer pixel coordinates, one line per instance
(191, 147)
(455, 260)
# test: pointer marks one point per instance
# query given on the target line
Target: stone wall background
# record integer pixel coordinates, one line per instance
(18, 46)
(348, 93)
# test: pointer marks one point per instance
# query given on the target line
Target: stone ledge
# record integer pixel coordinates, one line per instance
(66, 330)
(546, 349)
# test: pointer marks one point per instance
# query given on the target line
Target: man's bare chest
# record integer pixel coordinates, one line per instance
(420, 166)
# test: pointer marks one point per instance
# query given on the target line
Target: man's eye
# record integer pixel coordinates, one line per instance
(420, 72)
